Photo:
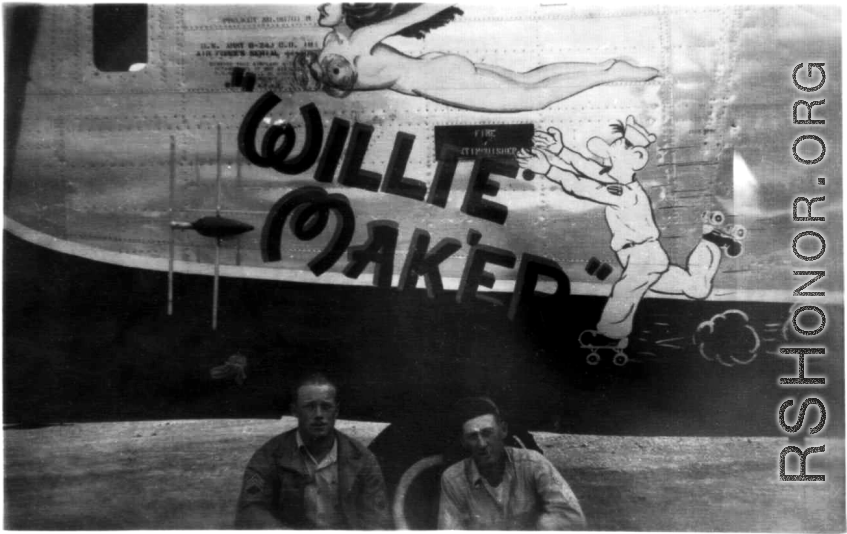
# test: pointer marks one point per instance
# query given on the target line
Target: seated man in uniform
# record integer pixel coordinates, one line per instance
(313, 477)
(499, 487)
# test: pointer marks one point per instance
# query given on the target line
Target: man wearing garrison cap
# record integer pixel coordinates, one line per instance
(500, 487)
(608, 178)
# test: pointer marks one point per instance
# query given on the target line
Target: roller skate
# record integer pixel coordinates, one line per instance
(728, 237)
(594, 342)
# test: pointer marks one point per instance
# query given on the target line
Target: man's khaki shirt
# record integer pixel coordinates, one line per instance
(532, 496)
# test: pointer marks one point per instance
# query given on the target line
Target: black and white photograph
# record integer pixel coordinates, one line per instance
(373, 266)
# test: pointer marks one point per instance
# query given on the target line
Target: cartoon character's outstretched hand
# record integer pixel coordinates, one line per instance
(535, 160)
(550, 140)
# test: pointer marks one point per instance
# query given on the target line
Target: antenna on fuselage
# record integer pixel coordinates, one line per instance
(171, 226)
(218, 227)
(216, 282)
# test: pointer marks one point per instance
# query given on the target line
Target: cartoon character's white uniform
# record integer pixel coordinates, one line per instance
(631, 219)
(635, 236)
(635, 241)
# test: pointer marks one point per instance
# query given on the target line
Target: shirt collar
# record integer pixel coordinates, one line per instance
(473, 473)
(329, 459)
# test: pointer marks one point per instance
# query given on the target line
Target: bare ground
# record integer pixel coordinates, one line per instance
(187, 475)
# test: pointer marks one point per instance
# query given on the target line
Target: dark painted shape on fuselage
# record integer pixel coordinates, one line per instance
(220, 227)
(90, 341)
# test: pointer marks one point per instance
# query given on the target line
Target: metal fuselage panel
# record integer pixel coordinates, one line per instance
(91, 172)
(92, 160)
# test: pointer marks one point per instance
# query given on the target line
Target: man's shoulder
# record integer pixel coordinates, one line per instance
(286, 439)
(455, 474)
(349, 447)
(457, 468)
(349, 439)
(351, 442)
(527, 456)
(274, 450)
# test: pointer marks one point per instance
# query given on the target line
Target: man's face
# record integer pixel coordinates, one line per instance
(316, 409)
(484, 437)
(618, 156)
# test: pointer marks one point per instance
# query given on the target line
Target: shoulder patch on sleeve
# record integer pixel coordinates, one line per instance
(253, 484)
(615, 189)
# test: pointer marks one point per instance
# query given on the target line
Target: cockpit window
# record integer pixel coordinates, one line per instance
(120, 37)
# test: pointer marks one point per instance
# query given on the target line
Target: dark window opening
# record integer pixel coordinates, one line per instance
(120, 37)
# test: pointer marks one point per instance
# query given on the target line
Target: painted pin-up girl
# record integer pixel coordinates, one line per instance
(354, 58)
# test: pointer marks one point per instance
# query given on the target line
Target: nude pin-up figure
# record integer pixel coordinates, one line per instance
(355, 58)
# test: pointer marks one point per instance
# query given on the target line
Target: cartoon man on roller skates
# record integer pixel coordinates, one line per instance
(608, 178)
